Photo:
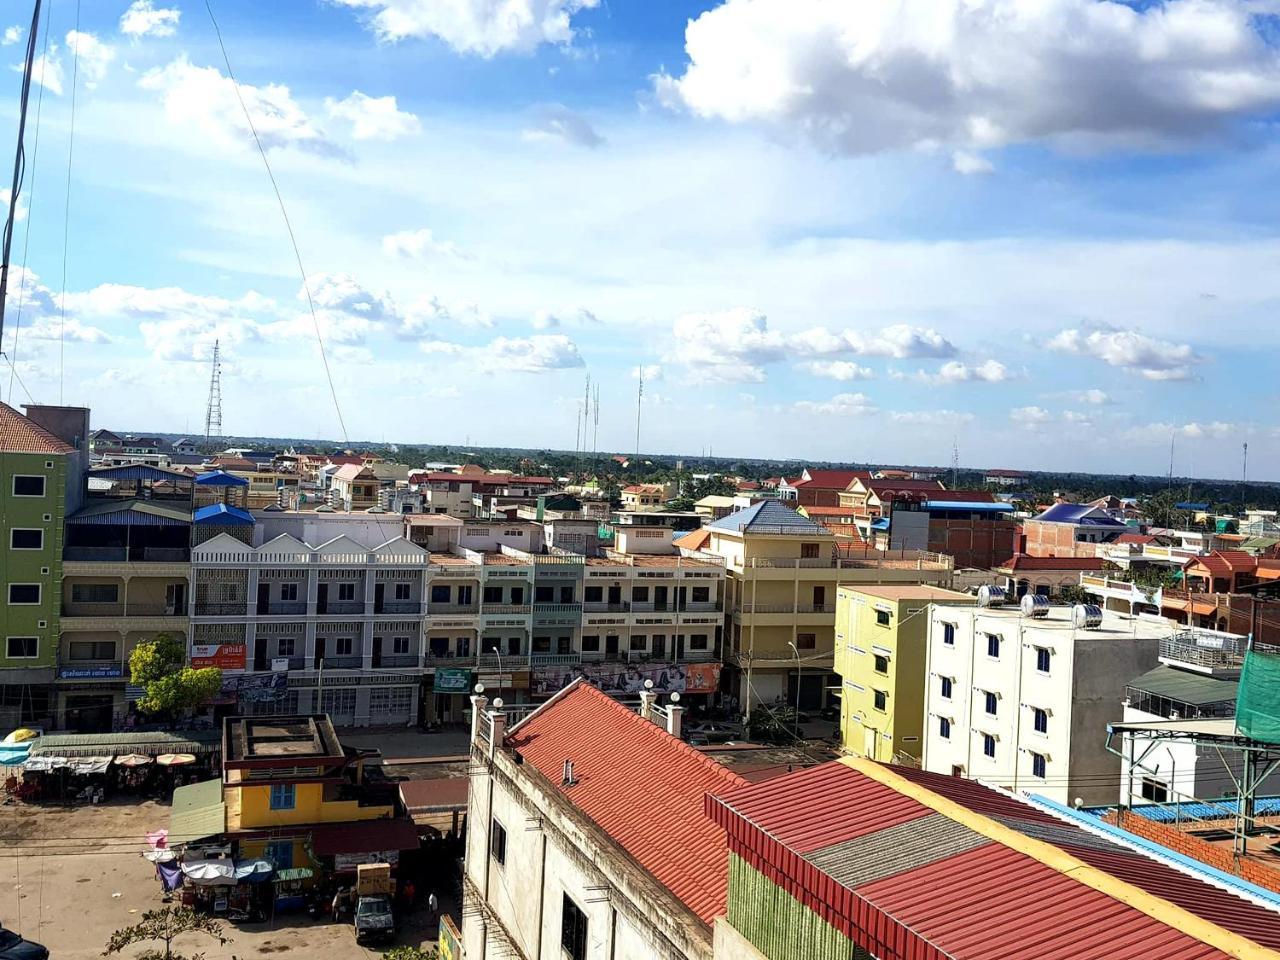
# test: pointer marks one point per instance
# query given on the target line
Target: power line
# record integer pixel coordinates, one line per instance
(66, 211)
(284, 213)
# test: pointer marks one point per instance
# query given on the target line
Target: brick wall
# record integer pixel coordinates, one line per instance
(1218, 857)
(973, 543)
(1054, 540)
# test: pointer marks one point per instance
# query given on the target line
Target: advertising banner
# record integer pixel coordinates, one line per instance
(349, 861)
(255, 688)
(452, 680)
(450, 939)
(111, 671)
(227, 656)
(624, 678)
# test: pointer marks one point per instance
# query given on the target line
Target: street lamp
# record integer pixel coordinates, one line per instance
(799, 675)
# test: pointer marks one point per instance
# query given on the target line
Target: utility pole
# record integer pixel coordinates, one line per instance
(1244, 478)
(213, 411)
(595, 432)
(639, 398)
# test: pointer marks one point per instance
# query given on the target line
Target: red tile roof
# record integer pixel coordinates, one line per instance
(869, 859)
(1226, 562)
(1022, 561)
(815, 511)
(830, 479)
(964, 496)
(640, 785)
(18, 434)
(1139, 538)
(881, 487)
(693, 540)
(748, 485)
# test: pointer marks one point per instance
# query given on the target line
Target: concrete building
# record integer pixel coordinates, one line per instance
(355, 487)
(783, 570)
(881, 634)
(645, 496)
(444, 493)
(42, 459)
(586, 837)
(1004, 478)
(126, 577)
(1046, 576)
(819, 488)
(1069, 530)
(1024, 702)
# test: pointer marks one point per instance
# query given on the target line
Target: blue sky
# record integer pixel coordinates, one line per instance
(828, 230)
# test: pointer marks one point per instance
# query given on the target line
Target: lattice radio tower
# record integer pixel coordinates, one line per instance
(213, 411)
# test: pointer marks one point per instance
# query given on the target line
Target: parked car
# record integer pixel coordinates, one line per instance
(713, 731)
(831, 713)
(14, 947)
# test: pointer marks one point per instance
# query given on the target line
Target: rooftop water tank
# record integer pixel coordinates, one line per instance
(1035, 606)
(1086, 616)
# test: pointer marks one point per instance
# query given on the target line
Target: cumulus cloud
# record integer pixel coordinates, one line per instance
(1093, 396)
(345, 311)
(145, 19)
(1159, 433)
(1031, 417)
(839, 370)
(541, 353)
(204, 99)
(953, 371)
(418, 245)
(424, 315)
(842, 404)
(733, 346)
(931, 418)
(46, 70)
(11, 35)
(1153, 359)
(54, 328)
(482, 27)
(546, 320)
(970, 163)
(884, 74)
(372, 118)
(19, 212)
(559, 123)
(94, 56)
(652, 372)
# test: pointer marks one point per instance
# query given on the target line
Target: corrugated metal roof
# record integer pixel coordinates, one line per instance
(1204, 810)
(152, 743)
(220, 478)
(18, 434)
(979, 900)
(197, 812)
(1186, 686)
(223, 515)
(640, 785)
(131, 513)
(770, 515)
(1077, 513)
(140, 471)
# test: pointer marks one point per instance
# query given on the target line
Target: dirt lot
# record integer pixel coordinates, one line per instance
(69, 877)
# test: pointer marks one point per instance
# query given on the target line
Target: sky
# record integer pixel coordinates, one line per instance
(1042, 233)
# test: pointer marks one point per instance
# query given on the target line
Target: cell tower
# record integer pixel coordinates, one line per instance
(955, 463)
(213, 411)
(639, 401)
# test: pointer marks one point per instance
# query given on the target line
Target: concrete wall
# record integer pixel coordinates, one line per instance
(368, 530)
(43, 566)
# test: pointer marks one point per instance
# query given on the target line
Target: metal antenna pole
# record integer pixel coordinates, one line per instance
(213, 411)
(19, 162)
(639, 398)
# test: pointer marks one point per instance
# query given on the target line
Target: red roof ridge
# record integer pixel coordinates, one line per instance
(21, 434)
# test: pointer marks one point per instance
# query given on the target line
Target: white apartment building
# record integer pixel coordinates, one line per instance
(1024, 703)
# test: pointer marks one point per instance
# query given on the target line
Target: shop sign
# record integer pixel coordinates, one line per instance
(225, 656)
(621, 678)
(452, 680)
(112, 671)
(450, 940)
(349, 861)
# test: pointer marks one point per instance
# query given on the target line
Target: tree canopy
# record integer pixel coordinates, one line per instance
(159, 666)
(165, 926)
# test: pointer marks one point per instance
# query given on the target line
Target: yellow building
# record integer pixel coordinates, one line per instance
(782, 572)
(881, 632)
(291, 794)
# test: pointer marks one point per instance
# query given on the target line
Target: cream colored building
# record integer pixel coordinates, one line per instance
(782, 573)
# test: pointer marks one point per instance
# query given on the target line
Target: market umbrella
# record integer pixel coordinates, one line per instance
(44, 764)
(22, 735)
(209, 873)
(175, 759)
(88, 764)
(253, 871)
(133, 760)
(13, 756)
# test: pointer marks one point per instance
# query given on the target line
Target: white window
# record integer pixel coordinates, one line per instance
(944, 728)
(28, 486)
(343, 646)
(26, 538)
(401, 644)
(403, 591)
(988, 745)
(989, 701)
(880, 699)
(949, 634)
(346, 591)
(1043, 658)
(1040, 719)
(1038, 765)
(945, 684)
(27, 594)
(993, 645)
(22, 648)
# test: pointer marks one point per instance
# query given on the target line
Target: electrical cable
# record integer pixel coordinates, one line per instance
(306, 286)
(66, 212)
(26, 234)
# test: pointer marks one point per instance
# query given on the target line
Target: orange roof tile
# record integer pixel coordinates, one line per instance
(640, 785)
(18, 434)
(693, 540)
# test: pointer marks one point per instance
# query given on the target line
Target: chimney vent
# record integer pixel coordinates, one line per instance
(567, 779)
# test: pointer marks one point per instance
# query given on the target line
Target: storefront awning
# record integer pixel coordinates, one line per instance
(197, 813)
(371, 836)
(149, 744)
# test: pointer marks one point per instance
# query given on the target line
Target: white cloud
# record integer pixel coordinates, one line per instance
(93, 55)
(652, 372)
(11, 35)
(202, 98)
(373, 118)
(970, 163)
(346, 312)
(1159, 433)
(839, 370)
(418, 245)
(1030, 417)
(842, 404)
(546, 320)
(733, 346)
(953, 371)
(20, 211)
(429, 311)
(115, 378)
(885, 74)
(1094, 396)
(558, 122)
(931, 418)
(541, 353)
(144, 19)
(46, 70)
(1153, 359)
(53, 328)
(483, 27)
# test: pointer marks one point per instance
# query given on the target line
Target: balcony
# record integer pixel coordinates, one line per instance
(412, 608)
(816, 608)
(126, 554)
(446, 659)
(283, 608)
(123, 610)
(555, 659)
(223, 609)
(341, 608)
(622, 607)
(1204, 651)
(350, 662)
(453, 610)
(506, 609)
(638, 606)
(395, 661)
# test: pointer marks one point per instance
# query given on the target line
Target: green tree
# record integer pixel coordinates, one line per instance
(165, 926)
(159, 666)
(403, 952)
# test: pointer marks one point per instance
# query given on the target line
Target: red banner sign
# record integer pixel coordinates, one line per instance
(227, 656)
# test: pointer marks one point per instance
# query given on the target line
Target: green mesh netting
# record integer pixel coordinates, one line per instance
(1258, 702)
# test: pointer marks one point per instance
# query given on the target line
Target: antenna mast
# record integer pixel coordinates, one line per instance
(19, 162)
(595, 431)
(639, 397)
(955, 462)
(213, 411)
(1244, 477)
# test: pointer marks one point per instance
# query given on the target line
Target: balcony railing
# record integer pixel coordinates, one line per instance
(341, 608)
(350, 662)
(557, 607)
(224, 609)
(435, 659)
(639, 606)
(412, 608)
(452, 609)
(1204, 650)
(282, 608)
(395, 661)
(127, 554)
(622, 607)
(506, 609)
(554, 659)
(821, 608)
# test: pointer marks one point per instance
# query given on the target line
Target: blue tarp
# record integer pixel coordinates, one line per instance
(12, 755)
(220, 478)
(223, 515)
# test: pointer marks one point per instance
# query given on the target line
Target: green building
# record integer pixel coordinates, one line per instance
(43, 456)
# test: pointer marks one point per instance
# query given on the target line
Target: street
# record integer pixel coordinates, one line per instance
(69, 877)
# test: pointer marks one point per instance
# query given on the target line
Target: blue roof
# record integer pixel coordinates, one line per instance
(220, 478)
(1079, 513)
(224, 515)
(132, 513)
(139, 471)
(967, 507)
(880, 523)
(1191, 506)
(768, 516)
